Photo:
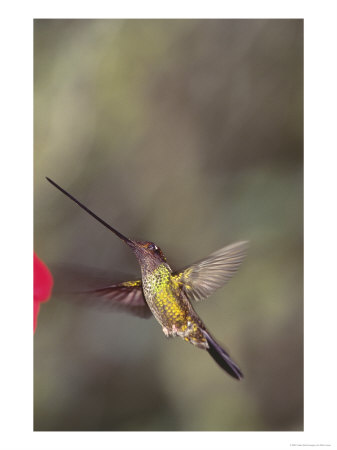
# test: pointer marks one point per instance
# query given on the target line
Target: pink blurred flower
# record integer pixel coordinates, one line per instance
(43, 283)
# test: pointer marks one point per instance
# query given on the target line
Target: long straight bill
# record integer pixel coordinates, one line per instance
(120, 235)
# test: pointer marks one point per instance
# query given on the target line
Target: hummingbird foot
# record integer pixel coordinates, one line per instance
(166, 332)
(192, 334)
(185, 331)
(174, 331)
(171, 332)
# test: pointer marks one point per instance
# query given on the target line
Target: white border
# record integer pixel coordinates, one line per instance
(320, 223)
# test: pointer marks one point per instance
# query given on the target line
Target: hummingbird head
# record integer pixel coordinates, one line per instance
(145, 250)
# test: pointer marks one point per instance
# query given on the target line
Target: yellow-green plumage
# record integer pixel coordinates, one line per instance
(167, 295)
(169, 305)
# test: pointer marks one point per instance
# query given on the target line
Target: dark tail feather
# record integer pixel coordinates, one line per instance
(222, 357)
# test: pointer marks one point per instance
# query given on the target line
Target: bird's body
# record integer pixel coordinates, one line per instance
(170, 306)
(167, 295)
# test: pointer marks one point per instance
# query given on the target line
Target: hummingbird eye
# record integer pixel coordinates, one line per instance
(153, 247)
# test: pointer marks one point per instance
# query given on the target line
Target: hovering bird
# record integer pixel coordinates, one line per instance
(167, 295)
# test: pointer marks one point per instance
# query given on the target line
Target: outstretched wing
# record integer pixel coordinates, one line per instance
(204, 277)
(127, 296)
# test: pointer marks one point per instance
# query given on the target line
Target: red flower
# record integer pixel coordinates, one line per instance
(43, 283)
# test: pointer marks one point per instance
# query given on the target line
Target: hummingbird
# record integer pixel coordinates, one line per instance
(168, 295)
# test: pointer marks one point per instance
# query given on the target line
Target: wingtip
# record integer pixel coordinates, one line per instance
(244, 244)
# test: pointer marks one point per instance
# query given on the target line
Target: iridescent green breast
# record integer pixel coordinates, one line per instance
(164, 297)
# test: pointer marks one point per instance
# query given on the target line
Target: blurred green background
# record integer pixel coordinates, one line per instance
(188, 133)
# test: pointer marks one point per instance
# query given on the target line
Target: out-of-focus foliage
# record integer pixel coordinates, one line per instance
(188, 133)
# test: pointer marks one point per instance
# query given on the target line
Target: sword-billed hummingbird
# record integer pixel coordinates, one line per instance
(167, 294)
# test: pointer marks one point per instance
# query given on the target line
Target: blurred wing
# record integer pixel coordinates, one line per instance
(204, 277)
(75, 277)
(127, 296)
